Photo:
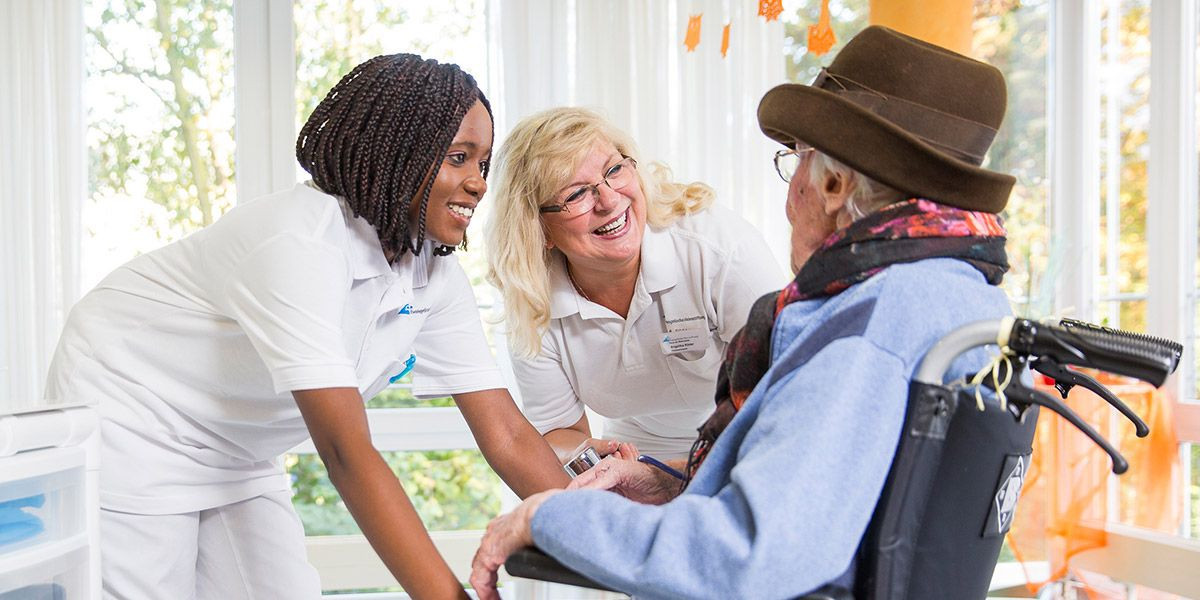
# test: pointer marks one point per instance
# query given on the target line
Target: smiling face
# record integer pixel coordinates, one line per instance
(459, 185)
(607, 238)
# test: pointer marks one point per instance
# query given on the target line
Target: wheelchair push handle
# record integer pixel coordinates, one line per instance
(1085, 345)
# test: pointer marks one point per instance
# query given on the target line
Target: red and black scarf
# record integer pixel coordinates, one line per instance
(903, 232)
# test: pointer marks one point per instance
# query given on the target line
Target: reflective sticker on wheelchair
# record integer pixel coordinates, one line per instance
(1008, 491)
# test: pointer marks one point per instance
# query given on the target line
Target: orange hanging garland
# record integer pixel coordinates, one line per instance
(820, 36)
(692, 38)
(725, 41)
(771, 9)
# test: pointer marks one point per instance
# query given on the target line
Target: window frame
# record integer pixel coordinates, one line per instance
(1170, 233)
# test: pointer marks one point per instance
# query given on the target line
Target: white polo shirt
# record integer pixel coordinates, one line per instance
(698, 279)
(193, 350)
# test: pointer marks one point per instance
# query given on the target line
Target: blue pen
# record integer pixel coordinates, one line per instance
(654, 462)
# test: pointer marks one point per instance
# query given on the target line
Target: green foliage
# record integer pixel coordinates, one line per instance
(451, 490)
(847, 17)
(1014, 37)
(1125, 110)
(400, 396)
(164, 131)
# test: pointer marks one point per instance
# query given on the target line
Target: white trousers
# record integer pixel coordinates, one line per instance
(252, 549)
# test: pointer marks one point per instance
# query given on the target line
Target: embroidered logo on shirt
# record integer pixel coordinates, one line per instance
(408, 366)
(405, 310)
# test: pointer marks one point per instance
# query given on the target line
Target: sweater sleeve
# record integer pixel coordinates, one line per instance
(798, 489)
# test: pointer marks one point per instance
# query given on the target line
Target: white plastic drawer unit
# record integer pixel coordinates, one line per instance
(43, 525)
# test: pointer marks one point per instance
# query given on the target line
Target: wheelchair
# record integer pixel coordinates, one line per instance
(951, 492)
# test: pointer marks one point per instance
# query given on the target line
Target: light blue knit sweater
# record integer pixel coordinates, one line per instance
(781, 503)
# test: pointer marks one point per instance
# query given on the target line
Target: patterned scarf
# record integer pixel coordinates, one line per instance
(903, 232)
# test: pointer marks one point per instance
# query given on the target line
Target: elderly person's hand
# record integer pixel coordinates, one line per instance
(634, 480)
(505, 534)
(603, 447)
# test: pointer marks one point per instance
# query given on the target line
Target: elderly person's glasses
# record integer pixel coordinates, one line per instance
(580, 199)
(788, 160)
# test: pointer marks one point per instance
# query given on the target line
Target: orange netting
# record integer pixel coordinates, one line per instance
(1066, 494)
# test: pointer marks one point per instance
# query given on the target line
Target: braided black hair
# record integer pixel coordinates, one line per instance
(379, 136)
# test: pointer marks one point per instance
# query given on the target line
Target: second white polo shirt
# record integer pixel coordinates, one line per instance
(652, 374)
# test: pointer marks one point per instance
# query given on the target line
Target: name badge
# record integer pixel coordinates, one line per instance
(685, 335)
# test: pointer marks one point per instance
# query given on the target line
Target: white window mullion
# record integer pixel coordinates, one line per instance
(1075, 152)
(1170, 214)
(413, 430)
(1111, 65)
(265, 97)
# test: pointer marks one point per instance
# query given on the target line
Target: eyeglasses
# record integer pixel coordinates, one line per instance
(579, 200)
(788, 160)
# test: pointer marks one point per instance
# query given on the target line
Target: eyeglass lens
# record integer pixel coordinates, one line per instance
(581, 199)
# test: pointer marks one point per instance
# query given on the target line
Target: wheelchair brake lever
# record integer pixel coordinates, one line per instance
(1019, 393)
(1065, 379)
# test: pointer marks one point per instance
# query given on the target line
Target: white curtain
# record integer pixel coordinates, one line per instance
(42, 186)
(695, 111)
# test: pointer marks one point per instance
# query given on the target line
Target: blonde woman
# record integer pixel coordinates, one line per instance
(621, 288)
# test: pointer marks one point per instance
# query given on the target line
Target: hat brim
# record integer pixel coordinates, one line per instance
(878, 148)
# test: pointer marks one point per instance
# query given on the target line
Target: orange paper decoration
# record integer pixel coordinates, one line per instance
(692, 39)
(725, 41)
(1066, 489)
(820, 36)
(771, 9)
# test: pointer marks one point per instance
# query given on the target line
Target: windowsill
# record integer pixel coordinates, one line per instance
(1145, 557)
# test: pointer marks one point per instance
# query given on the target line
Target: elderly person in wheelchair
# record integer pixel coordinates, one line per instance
(896, 241)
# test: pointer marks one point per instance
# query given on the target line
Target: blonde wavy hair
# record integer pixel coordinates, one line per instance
(537, 159)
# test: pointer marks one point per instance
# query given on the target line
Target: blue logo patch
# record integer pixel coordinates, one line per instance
(405, 310)
(408, 366)
(666, 339)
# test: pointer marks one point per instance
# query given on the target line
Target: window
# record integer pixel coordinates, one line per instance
(1090, 207)
(159, 126)
(847, 18)
(1014, 37)
(1125, 147)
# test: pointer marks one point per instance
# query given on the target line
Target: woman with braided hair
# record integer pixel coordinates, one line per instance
(212, 356)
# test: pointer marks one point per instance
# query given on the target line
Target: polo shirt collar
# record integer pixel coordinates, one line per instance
(365, 249)
(659, 270)
(564, 300)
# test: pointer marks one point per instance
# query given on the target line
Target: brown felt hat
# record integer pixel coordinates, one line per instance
(906, 113)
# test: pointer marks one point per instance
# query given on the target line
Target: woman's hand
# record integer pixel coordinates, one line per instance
(634, 480)
(512, 447)
(568, 442)
(622, 450)
(505, 534)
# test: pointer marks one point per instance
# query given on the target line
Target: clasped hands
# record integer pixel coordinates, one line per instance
(619, 472)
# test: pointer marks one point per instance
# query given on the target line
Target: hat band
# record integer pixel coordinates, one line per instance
(963, 139)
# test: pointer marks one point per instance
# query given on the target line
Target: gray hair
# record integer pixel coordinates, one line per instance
(866, 194)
